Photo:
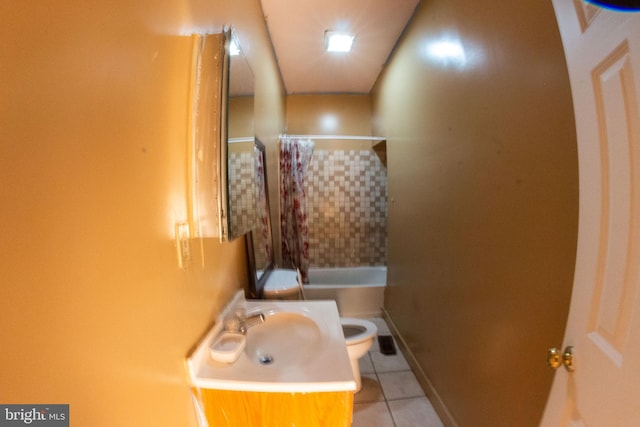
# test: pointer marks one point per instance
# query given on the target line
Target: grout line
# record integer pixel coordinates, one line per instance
(386, 401)
(377, 376)
(432, 395)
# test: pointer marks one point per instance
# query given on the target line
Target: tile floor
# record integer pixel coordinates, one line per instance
(391, 395)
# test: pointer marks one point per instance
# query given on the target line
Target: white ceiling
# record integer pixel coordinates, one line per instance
(297, 30)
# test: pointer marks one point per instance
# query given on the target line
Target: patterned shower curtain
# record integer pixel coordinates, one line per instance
(295, 156)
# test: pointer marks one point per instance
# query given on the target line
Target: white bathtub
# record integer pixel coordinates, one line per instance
(358, 291)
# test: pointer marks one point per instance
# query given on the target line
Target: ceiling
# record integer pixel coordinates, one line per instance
(297, 30)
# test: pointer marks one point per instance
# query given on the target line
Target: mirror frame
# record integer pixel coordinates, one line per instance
(206, 137)
(225, 219)
(241, 213)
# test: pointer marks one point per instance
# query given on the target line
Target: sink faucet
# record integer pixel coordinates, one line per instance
(247, 322)
(241, 323)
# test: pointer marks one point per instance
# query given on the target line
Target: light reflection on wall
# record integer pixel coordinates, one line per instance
(328, 123)
(447, 51)
(450, 52)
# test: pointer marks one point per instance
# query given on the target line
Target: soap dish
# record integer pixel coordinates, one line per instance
(227, 347)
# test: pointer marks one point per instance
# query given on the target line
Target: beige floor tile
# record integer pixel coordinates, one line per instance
(389, 362)
(414, 412)
(366, 366)
(391, 395)
(374, 414)
(400, 385)
(383, 329)
(370, 391)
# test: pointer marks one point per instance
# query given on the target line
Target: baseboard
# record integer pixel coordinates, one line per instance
(432, 394)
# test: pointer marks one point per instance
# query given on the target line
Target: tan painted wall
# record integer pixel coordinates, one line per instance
(240, 118)
(95, 311)
(482, 170)
(329, 114)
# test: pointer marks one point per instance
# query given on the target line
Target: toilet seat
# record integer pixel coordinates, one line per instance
(357, 330)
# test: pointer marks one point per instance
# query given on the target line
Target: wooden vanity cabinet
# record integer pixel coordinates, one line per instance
(227, 408)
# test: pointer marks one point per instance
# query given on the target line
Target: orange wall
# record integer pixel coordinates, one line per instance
(95, 311)
(482, 176)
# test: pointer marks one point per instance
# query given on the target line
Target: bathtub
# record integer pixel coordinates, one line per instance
(358, 291)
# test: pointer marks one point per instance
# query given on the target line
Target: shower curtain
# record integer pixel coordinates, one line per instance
(295, 156)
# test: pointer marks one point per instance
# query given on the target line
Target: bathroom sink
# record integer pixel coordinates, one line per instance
(299, 347)
(285, 338)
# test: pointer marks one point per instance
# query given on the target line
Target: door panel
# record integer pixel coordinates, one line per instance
(603, 52)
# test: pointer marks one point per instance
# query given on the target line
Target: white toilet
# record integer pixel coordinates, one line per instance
(282, 284)
(359, 333)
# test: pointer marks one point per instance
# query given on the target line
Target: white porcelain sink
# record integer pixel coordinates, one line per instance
(300, 347)
(284, 339)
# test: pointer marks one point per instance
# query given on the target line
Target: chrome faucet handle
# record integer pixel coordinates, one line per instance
(251, 321)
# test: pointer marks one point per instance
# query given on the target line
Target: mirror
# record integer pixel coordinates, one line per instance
(226, 168)
(246, 179)
(241, 191)
(260, 243)
(250, 198)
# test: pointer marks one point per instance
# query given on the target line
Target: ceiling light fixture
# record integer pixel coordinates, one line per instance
(337, 41)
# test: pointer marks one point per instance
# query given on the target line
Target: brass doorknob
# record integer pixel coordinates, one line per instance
(567, 358)
(555, 358)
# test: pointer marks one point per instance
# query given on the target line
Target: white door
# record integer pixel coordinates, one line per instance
(603, 55)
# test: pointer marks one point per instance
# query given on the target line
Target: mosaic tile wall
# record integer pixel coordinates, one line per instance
(242, 192)
(347, 208)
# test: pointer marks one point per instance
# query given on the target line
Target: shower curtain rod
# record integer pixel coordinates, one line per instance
(352, 137)
(243, 139)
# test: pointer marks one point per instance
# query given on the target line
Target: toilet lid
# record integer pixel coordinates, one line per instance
(280, 281)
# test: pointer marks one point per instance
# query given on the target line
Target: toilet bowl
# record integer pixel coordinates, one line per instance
(359, 335)
(282, 284)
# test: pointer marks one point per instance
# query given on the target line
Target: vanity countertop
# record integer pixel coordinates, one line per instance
(300, 347)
